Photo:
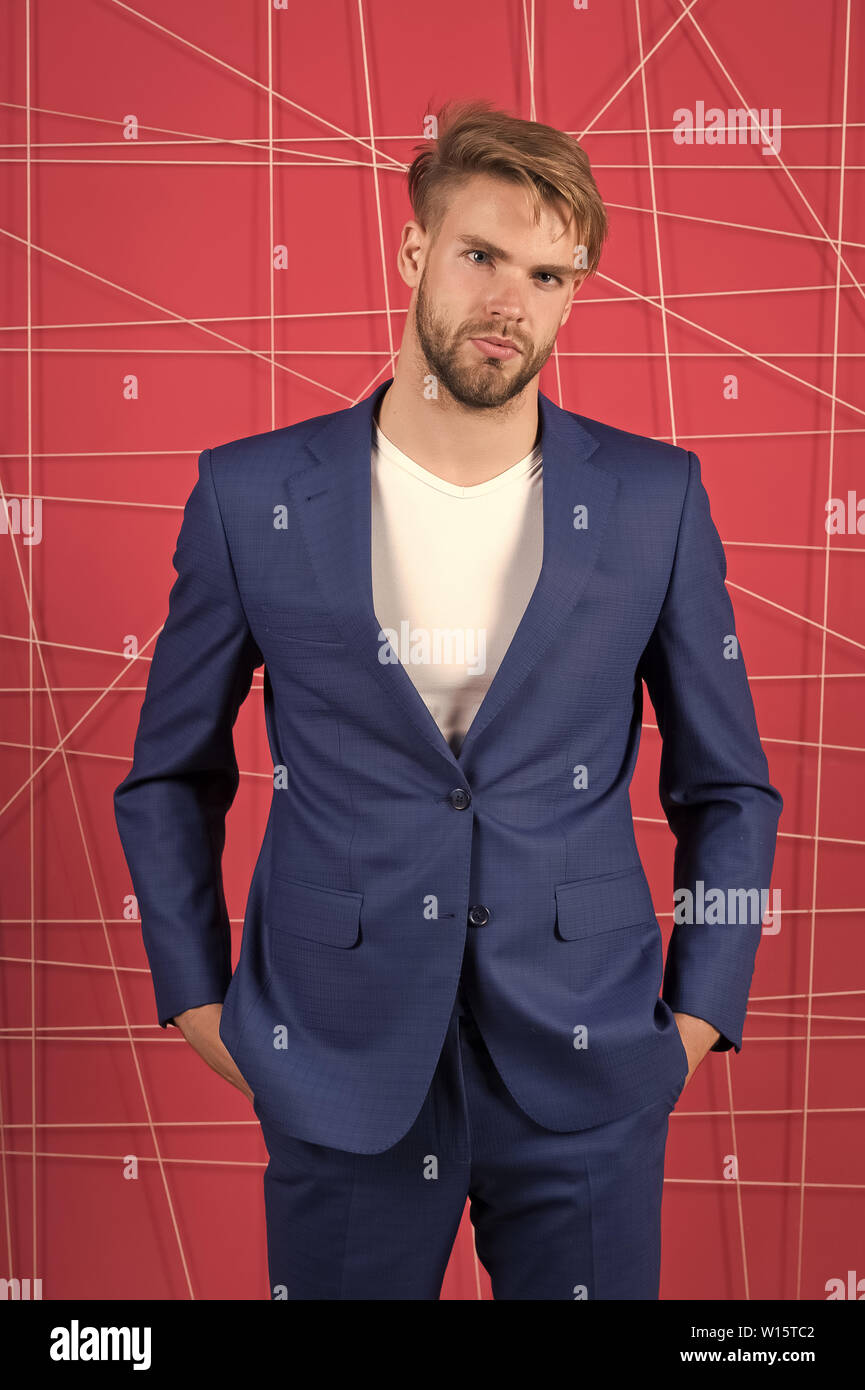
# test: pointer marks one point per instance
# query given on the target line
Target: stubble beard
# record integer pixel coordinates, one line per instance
(485, 384)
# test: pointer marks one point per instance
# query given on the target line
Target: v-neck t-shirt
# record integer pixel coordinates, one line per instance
(453, 569)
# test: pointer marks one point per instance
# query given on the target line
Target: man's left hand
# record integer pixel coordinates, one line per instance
(697, 1037)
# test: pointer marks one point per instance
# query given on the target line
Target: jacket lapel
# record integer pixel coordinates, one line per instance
(332, 498)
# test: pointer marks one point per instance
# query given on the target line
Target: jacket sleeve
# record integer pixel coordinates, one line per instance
(714, 784)
(170, 808)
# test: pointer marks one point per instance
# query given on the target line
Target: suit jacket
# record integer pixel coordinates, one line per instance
(389, 864)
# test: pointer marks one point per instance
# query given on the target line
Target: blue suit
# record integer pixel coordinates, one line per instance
(391, 868)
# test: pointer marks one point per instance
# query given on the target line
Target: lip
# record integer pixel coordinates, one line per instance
(490, 347)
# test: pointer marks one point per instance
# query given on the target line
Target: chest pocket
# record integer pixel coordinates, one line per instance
(298, 624)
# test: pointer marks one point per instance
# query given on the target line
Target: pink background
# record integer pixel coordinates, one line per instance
(152, 257)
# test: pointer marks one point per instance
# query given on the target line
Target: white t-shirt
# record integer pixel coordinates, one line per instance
(453, 569)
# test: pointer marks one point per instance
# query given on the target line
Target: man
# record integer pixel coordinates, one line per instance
(450, 964)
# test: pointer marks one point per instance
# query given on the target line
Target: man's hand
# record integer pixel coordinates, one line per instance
(697, 1037)
(200, 1027)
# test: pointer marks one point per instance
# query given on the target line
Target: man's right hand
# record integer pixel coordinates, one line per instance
(200, 1028)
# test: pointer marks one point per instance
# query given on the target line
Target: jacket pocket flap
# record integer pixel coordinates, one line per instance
(603, 903)
(330, 915)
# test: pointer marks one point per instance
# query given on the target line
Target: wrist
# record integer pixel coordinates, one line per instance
(697, 1034)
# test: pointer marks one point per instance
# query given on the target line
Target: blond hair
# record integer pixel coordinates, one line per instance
(475, 138)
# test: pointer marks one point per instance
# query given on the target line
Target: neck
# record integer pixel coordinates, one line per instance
(464, 445)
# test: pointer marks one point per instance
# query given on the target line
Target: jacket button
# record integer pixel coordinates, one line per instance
(479, 915)
(459, 798)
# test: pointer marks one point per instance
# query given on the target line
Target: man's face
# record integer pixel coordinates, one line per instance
(492, 272)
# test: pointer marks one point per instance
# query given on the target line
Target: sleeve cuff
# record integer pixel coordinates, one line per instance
(195, 1003)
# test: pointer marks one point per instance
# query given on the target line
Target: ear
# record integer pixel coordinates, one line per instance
(411, 253)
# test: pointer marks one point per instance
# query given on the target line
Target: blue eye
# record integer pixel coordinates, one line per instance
(554, 279)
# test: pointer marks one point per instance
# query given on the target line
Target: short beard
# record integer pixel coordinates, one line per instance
(485, 386)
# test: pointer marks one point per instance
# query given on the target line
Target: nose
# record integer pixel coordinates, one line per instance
(503, 305)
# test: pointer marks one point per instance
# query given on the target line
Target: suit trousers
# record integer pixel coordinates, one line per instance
(556, 1215)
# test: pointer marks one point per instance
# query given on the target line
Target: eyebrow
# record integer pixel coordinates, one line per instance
(565, 272)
